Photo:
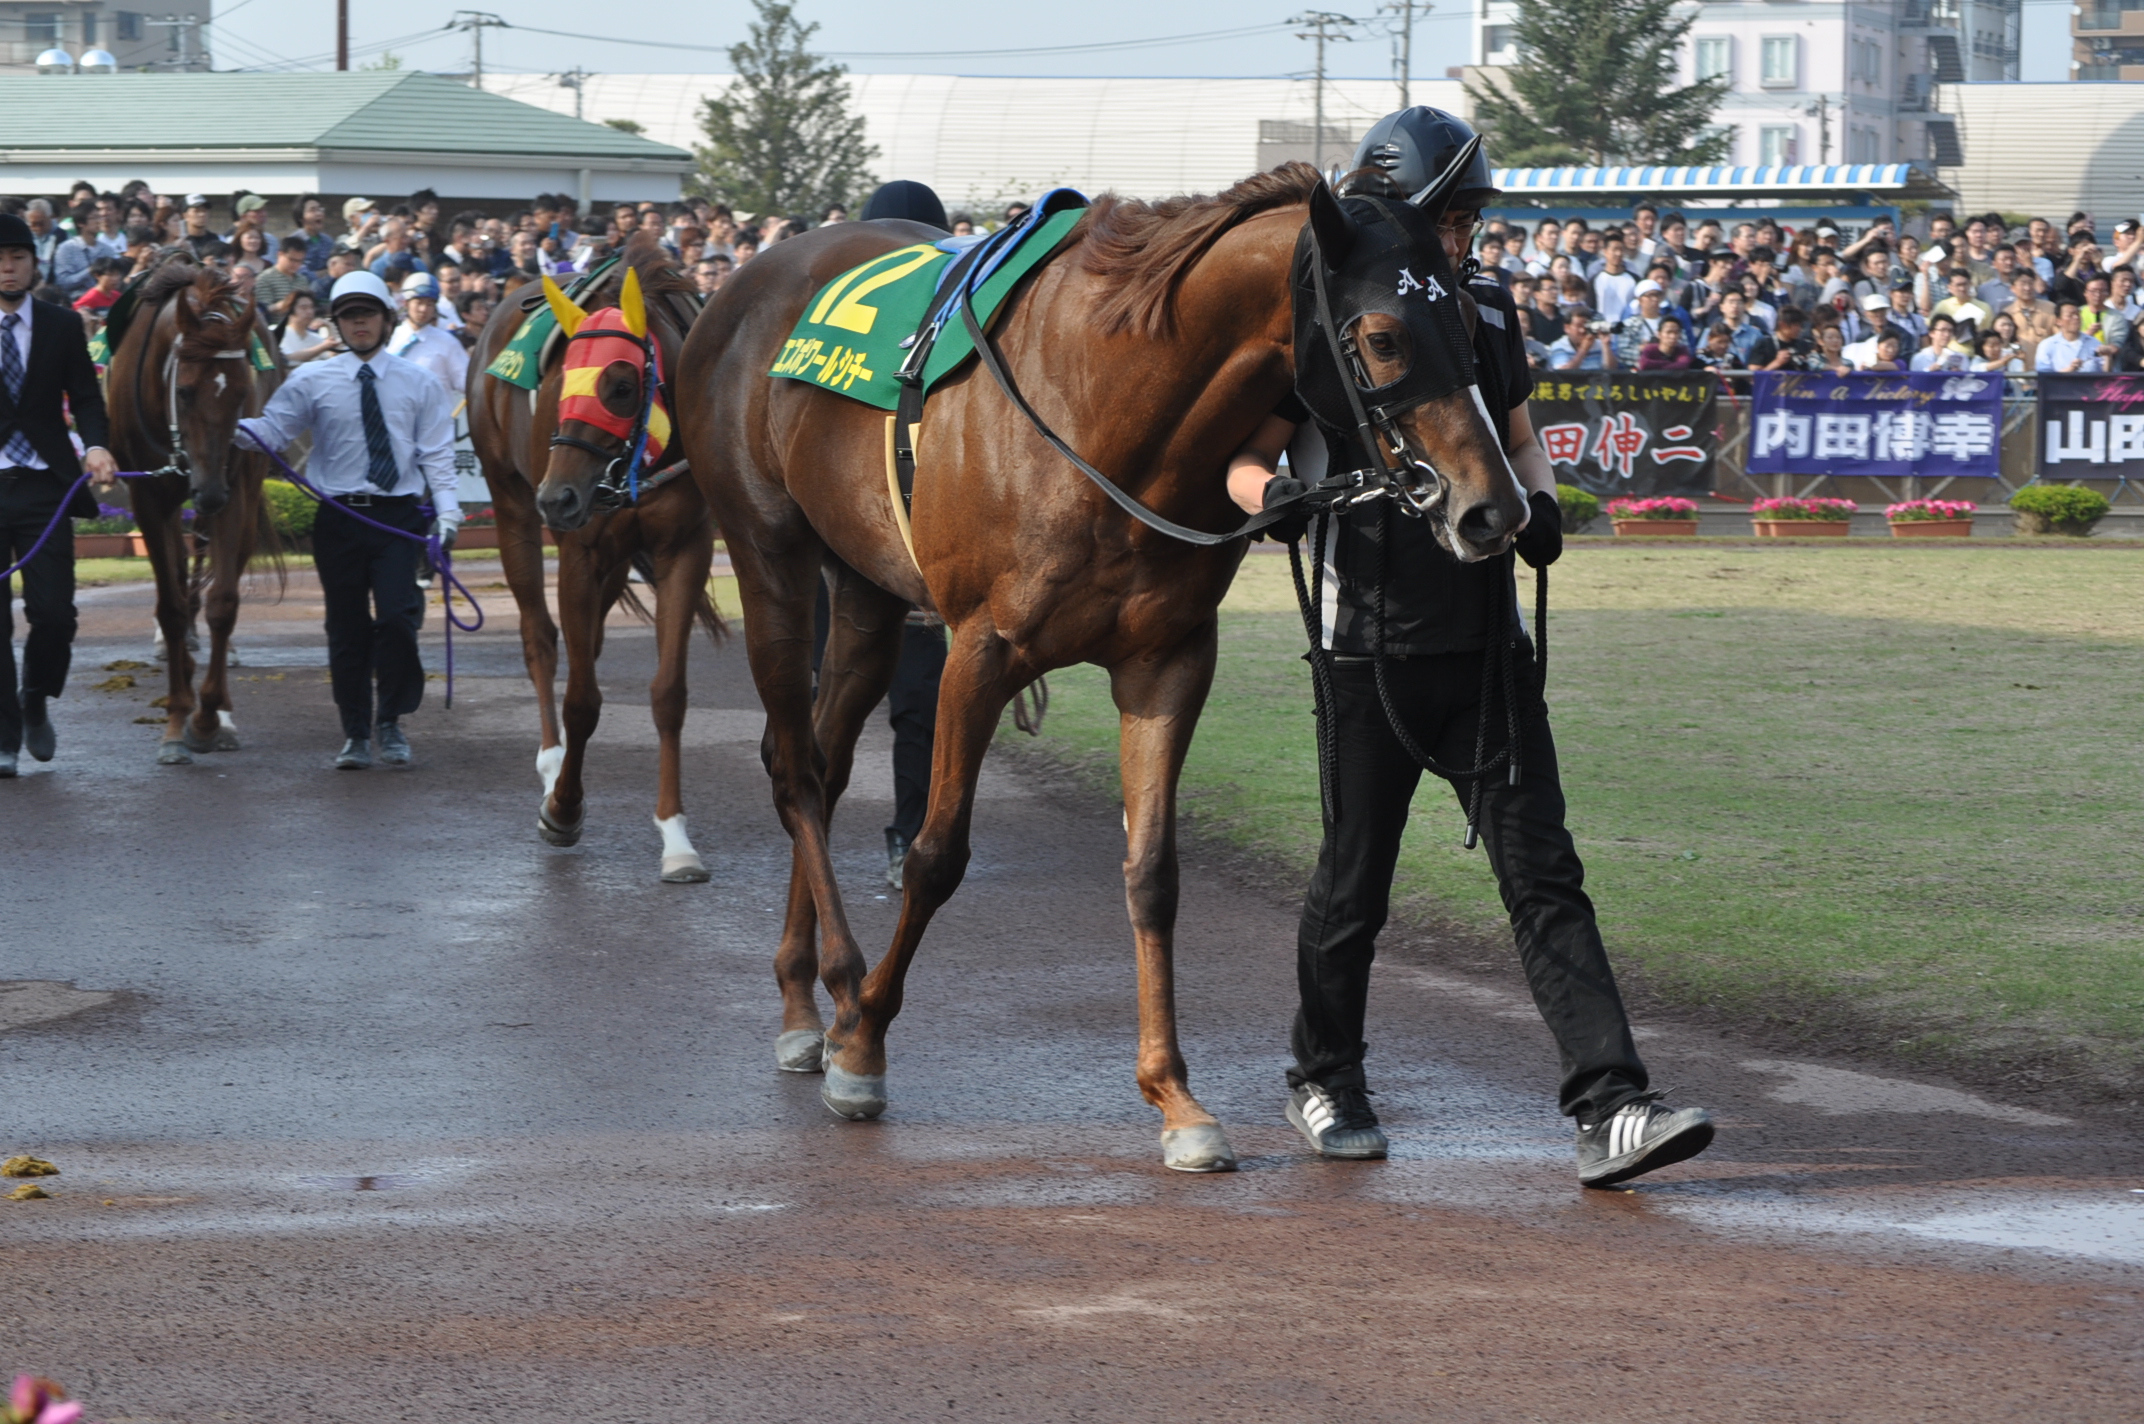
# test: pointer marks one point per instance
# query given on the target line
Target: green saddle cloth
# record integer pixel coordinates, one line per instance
(121, 315)
(849, 338)
(520, 362)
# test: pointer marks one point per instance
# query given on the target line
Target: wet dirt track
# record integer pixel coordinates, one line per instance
(371, 1106)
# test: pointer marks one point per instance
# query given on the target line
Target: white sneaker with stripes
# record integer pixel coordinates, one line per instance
(1639, 1137)
(1338, 1122)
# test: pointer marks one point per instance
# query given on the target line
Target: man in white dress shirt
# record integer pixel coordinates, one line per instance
(383, 437)
(422, 340)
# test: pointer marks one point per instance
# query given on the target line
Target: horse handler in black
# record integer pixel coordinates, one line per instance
(1440, 619)
(45, 375)
(383, 437)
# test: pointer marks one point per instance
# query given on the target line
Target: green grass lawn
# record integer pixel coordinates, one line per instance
(91, 573)
(1893, 788)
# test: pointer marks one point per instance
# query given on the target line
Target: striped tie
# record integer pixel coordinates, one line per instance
(379, 451)
(19, 452)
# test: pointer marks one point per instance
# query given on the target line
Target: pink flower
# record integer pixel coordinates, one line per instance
(40, 1401)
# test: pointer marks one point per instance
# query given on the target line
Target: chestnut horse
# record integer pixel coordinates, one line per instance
(667, 533)
(1155, 343)
(177, 386)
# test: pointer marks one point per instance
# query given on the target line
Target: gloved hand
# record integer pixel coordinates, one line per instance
(1540, 543)
(445, 526)
(1289, 529)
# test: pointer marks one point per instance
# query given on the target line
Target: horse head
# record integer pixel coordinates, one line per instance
(612, 419)
(207, 378)
(1384, 343)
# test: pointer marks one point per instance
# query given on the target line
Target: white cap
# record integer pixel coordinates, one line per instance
(420, 284)
(351, 286)
(1875, 302)
(197, 200)
(1648, 285)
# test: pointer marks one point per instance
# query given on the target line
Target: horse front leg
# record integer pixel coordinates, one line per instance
(231, 545)
(583, 599)
(1158, 703)
(167, 561)
(979, 680)
(680, 580)
(513, 507)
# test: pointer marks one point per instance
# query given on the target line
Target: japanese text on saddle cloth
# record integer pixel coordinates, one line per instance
(858, 330)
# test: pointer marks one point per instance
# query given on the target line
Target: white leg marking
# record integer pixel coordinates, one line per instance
(225, 721)
(549, 762)
(681, 863)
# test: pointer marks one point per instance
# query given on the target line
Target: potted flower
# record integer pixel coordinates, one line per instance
(480, 529)
(109, 536)
(1931, 519)
(2058, 509)
(1667, 514)
(1802, 518)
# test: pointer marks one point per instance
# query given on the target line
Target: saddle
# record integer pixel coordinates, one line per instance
(523, 360)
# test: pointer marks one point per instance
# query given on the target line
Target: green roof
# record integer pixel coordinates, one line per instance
(392, 111)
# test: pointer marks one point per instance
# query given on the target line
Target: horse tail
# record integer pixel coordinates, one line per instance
(710, 617)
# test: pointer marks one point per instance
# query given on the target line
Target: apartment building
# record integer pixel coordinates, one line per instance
(1832, 81)
(2107, 39)
(173, 37)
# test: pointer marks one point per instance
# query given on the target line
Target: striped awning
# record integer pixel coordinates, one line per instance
(1895, 180)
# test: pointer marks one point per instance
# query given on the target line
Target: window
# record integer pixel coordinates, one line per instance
(1715, 58)
(1782, 61)
(1867, 62)
(1495, 39)
(1778, 145)
(129, 25)
(41, 29)
(89, 27)
(1864, 146)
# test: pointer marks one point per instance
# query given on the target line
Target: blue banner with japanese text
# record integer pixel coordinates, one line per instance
(1932, 424)
(1617, 433)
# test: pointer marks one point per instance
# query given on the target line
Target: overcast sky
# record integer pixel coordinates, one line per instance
(880, 36)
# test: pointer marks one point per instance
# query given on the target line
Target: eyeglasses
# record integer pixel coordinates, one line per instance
(1465, 230)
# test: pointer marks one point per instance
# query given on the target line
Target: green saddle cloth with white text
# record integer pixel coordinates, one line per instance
(520, 361)
(853, 334)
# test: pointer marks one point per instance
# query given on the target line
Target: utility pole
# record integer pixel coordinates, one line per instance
(1821, 112)
(1403, 39)
(1323, 25)
(575, 79)
(342, 34)
(475, 22)
(184, 29)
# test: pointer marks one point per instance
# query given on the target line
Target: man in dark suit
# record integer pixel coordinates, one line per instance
(45, 375)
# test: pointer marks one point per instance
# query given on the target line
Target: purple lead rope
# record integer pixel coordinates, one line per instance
(441, 559)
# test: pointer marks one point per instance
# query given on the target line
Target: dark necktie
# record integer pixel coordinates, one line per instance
(380, 452)
(19, 451)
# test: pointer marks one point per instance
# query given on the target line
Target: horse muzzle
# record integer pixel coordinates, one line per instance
(566, 505)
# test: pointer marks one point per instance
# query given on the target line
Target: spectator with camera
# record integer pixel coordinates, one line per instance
(1640, 326)
(2070, 351)
(1667, 351)
(1584, 345)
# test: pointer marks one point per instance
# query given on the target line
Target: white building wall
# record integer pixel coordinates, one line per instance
(983, 141)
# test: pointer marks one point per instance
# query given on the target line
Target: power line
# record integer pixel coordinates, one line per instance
(1094, 47)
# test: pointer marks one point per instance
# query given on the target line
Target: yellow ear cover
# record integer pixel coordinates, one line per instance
(569, 316)
(632, 306)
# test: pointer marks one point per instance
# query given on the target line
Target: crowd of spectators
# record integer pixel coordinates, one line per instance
(1658, 293)
(447, 271)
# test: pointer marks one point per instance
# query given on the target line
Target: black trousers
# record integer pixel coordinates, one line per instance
(374, 608)
(28, 500)
(912, 712)
(1536, 865)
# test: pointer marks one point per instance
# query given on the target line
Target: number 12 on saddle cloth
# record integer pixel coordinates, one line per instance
(851, 337)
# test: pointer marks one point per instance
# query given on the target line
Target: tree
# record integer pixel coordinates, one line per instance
(631, 126)
(1595, 84)
(783, 140)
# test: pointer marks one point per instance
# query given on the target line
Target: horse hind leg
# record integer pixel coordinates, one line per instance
(679, 580)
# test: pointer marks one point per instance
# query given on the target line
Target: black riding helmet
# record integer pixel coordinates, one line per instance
(1415, 145)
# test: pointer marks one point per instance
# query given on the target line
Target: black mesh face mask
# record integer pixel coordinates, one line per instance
(1379, 256)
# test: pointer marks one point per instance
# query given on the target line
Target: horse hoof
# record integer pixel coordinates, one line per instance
(686, 869)
(202, 745)
(226, 738)
(555, 833)
(1200, 1148)
(174, 754)
(801, 1050)
(855, 1096)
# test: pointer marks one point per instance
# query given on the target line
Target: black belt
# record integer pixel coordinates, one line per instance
(367, 499)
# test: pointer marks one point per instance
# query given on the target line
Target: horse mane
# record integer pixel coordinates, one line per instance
(1146, 248)
(658, 270)
(176, 269)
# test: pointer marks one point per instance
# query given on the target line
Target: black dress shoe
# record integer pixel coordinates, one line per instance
(394, 747)
(896, 857)
(356, 755)
(38, 737)
(7, 766)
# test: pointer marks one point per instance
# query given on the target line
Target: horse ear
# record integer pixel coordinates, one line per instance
(1436, 195)
(1336, 236)
(186, 311)
(631, 305)
(569, 316)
